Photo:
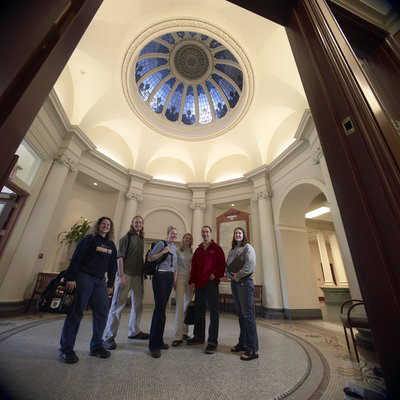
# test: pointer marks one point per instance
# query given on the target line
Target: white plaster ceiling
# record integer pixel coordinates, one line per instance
(91, 92)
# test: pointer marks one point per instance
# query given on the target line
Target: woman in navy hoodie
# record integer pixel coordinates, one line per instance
(94, 256)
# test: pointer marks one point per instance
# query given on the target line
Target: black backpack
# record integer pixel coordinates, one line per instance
(55, 298)
(151, 267)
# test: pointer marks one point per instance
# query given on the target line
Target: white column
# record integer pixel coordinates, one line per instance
(197, 222)
(129, 211)
(133, 196)
(270, 265)
(21, 270)
(323, 252)
(337, 261)
(52, 253)
(198, 206)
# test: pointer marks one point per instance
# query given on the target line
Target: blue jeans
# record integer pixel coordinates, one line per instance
(92, 290)
(207, 294)
(162, 285)
(244, 305)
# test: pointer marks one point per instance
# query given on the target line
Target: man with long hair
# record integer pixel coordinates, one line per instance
(94, 256)
(129, 281)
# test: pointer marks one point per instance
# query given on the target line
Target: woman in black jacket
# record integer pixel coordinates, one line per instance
(94, 256)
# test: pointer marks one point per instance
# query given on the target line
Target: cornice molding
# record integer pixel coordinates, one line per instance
(139, 176)
(293, 228)
(259, 172)
(167, 184)
(79, 136)
(230, 183)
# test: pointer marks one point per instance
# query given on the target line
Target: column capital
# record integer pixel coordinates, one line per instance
(317, 155)
(66, 160)
(262, 194)
(198, 205)
(134, 196)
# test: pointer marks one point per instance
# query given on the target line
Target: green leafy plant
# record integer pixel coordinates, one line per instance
(77, 231)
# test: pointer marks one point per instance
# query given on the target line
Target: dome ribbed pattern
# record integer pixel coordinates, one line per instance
(188, 78)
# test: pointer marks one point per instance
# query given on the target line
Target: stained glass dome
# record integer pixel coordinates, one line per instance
(188, 78)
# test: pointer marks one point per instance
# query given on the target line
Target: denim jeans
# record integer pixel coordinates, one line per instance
(244, 305)
(92, 290)
(207, 294)
(162, 283)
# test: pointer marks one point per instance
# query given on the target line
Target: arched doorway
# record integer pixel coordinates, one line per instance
(300, 295)
(314, 282)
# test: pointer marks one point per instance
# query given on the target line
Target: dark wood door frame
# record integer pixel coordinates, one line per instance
(363, 162)
(38, 37)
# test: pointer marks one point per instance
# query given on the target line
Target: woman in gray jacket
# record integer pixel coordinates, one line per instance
(242, 286)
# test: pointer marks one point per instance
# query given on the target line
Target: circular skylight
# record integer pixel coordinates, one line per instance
(187, 83)
(188, 78)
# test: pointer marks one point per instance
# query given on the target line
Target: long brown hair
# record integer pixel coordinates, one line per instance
(191, 243)
(132, 231)
(94, 230)
(243, 242)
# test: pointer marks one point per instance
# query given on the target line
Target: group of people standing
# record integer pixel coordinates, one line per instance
(191, 274)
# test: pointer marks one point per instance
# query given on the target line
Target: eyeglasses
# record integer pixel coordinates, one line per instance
(170, 228)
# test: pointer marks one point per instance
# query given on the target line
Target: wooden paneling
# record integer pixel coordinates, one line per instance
(363, 165)
(37, 39)
(363, 170)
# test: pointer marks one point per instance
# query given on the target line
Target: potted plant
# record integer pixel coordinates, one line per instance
(77, 231)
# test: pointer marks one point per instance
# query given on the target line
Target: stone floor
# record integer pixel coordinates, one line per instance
(298, 360)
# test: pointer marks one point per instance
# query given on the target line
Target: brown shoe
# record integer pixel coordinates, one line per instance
(176, 343)
(110, 344)
(156, 353)
(140, 336)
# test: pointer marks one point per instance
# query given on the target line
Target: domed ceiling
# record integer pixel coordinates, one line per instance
(188, 78)
(185, 91)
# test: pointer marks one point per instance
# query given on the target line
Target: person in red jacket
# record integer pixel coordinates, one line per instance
(208, 265)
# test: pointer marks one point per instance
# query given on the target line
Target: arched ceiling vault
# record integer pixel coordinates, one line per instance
(98, 90)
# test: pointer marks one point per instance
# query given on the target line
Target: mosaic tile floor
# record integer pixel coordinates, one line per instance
(298, 360)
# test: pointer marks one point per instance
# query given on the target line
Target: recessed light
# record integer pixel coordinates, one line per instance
(95, 183)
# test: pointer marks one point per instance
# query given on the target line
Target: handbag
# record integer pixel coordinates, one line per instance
(190, 314)
(55, 298)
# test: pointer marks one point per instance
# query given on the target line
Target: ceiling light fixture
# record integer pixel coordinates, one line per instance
(317, 212)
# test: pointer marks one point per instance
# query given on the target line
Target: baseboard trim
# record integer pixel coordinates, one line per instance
(312, 313)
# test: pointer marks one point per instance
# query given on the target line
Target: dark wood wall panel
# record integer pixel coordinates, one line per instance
(364, 165)
(361, 165)
(37, 39)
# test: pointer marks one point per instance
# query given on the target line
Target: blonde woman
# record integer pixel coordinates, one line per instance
(184, 293)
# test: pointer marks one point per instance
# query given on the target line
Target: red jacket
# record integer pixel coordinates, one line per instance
(207, 262)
